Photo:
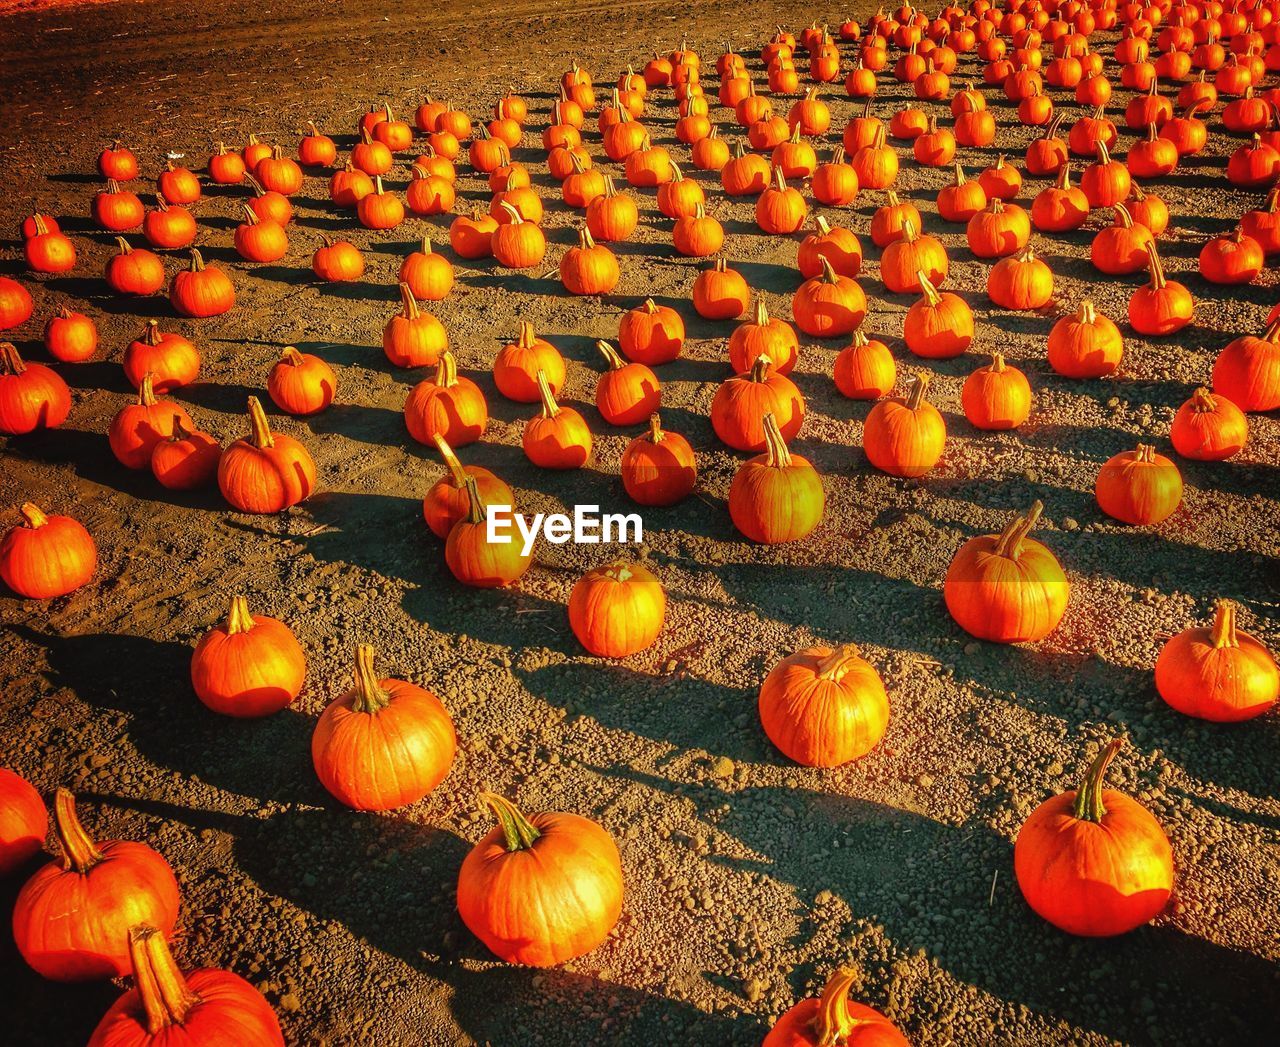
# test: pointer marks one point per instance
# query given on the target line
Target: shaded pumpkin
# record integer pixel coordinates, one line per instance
(865, 369)
(138, 427)
(170, 359)
(413, 337)
(186, 460)
(24, 822)
(833, 1018)
(557, 437)
(516, 367)
(447, 501)
(450, 405)
(627, 393)
(1218, 673)
(32, 396)
(1139, 487)
(1246, 372)
(740, 404)
(720, 293)
(658, 466)
(829, 304)
(475, 560)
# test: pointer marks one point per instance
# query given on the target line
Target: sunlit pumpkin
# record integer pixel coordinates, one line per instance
(413, 337)
(617, 610)
(265, 472)
(1139, 487)
(1218, 673)
(1246, 372)
(1085, 344)
(905, 436)
(997, 396)
(776, 496)
(32, 396)
(447, 501)
(46, 556)
(658, 466)
(138, 427)
(1208, 428)
(557, 437)
(741, 403)
(248, 665)
(833, 1018)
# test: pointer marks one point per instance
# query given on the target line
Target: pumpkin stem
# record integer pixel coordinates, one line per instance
(611, 355)
(832, 1024)
(655, 428)
(146, 391)
(1155, 266)
(476, 508)
(761, 368)
(775, 446)
(919, 386)
(123, 245)
(79, 852)
(1202, 401)
(1064, 176)
(959, 174)
(451, 460)
(259, 431)
(197, 262)
(35, 517)
(409, 303)
(519, 831)
(447, 371)
(1088, 314)
(292, 357)
(370, 697)
(166, 997)
(1146, 453)
(928, 290)
(239, 620)
(549, 406)
(997, 363)
(1088, 806)
(1123, 218)
(830, 668)
(10, 361)
(1009, 543)
(821, 224)
(525, 339)
(1224, 625)
(828, 271)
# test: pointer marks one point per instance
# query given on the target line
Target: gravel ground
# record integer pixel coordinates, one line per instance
(747, 878)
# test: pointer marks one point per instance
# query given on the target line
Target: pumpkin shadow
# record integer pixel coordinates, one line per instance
(96, 293)
(144, 678)
(89, 456)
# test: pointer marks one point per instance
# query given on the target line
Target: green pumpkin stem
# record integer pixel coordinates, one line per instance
(1224, 626)
(79, 852)
(239, 620)
(166, 997)
(832, 1024)
(519, 831)
(1010, 541)
(369, 697)
(1088, 806)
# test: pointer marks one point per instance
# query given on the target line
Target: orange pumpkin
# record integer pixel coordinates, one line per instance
(451, 405)
(829, 304)
(1021, 282)
(428, 274)
(658, 466)
(864, 369)
(589, 268)
(1208, 428)
(627, 393)
(996, 396)
(475, 560)
(557, 437)
(1085, 344)
(1220, 673)
(776, 496)
(720, 293)
(617, 610)
(905, 436)
(834, 243)
(939, 325)
(1139, 487)
(413, 337)
(741, 403)
(186, 460)
(1247, 371)
(448, 502)
(516, 367)
(24, 823)
(248, 666)
(46, 556)
(763, 335)
(170, 359)
(833, 1018)
(138, 427)
(651, 334)
(265, 472)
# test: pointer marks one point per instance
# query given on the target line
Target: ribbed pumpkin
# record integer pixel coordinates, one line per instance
(134, 271)
(248, 666)
(1231, 259)
(834, 243)
(384, 744)
(516, 367)
(450, 404)
(70, 337)
(962, 199)
(1085, 344)
(617, 610)
(476, 561)
(448, 502)
(541, 890)
(763, 335)
(823, 707)
(741, 403)
(1161, 306)
(471, 236)
(337, 261)
(1060, 207)
(24, 823)
(32, 396)
(46, 556)
(170, 359)
(413, 337)
(658, 466)
(589, 268)
(265, 472)
(428, 274)
(833, 1018)
(889, 221)
(939, 325)
(627, 393)
(203, 1007)
(905, 259)
(720, 293)
(138, 427)
(200, 290)
(48, 250)
(15, 304)
(1218, 673)
(829, 305)
(651, 334)
(71, 919)
(997, 396)
(1208, 428)
(998, 230)
(865, 369)
(260, 240)
(1247, 371)
(557, 437)
(780, 209)
(776, 496)
(1021, 282)
(1139, 487)
(1092, 861)
(905, 436)
(301, 383)
(1006, 587)
(518, 244)
(612, 216)
(187, 460)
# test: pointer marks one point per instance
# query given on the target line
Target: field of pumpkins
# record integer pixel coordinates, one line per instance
(937, 352)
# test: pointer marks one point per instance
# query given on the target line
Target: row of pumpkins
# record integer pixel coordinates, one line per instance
(822, 707)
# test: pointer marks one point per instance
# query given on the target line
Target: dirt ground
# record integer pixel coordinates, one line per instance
(748, 878)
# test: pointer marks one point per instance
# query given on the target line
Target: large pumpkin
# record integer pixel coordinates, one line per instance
(1218, 673)
(540, 890)
(72, 918)
(383, 744)
(617, 610)
(247, 666)
(833, 1018)
(1007, 587)
(265, 472)
(1092, 861)
(824, 707)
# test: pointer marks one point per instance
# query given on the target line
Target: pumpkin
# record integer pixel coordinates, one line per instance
(258, 240)
(627, 393)
(205, 1006)
(763, 335)
(255, 152)
(450, 405)
(833, 1018)
(829, 304)
(745, 174)
(301, 383)
(1152, 157)
(1121, 248)
(200, 290)
(740, 404)
(49, 250)
(271, 206)
(1234, 259)
(1061, 207)
(835, 244)
(650, 334)
(428, 274)
(720, 293)
(117, 210)
(939, 325)
(349, 185)
(475, 560)
(169, 226)
(905, 261)
(864, 369)
(905, 436)
(170, 359)
(178, 185)
(711, 153)
(936, 147)
(1246, 372)
(557, 437)
(961, 200)
(471, 236)
(516, 367)
(823, 707)
(380, 209)
(617, 610)
(588, 268)
(384, 744)
(697, 235)
(585, 184)
(795, 157)
(1000, 180)
(835, 183)
(1139, 487)
(1092, 861)
(71, 919)
(226, 167)
(1263, 224)
(1000, 229)
(996, 396)
(316, 149)
(70, 337)
(780, 209)
(337, 261)
(186, 460)
(118, 162)
(1006, 587)
(1048, 153)
(1020, 282)
(138, 427)
(542, 890)
(447, 501)
(776, 496)
(413, 337)
(15, 304)
(32, 396)
(1219, 673)
(247, 666)
(1161, 306)
(1208, 428)
(612, 216)
(1085, 344)
(889, 222)
(658, 466)
(24, 822)
(279, 173)
(265, 472)
(876, 163)
(46, 556)
(134, 271)
(1255, 165)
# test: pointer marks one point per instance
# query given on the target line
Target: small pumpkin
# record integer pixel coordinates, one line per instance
(451, 405)
(134, 271)
(70, 337)
(617, 610)
(763, 335)
(516, 367)
(383, 744)
(413, 337)
(865, 369)
(178, 185)
(1060, 207)
(186, 460)
(1219, 673)
(265, 472)
(1161, 306)
(301, 383)
(428, 274)
(612, 216)
(138, 427)
(557, 437)
(961, 199)
(46, 556)
(247, 666)
(741, 403)
(1208, 428)
(49, 250)
(516, 243)
(658, 466)
(905, 259)
(589, 268)
(650, 334)
(15, 304)
(1021, 282)
(905, 436)
(720, 293)
(1085, 344)
(170, 359)
(118, 162)
(32, 396)
(776, 496)
(939, 325)
(1139, 487)
(829, 305)
(447, 501)
(780, 209)
(337, 261)
(226, 166)
(997, 396)
(200, 290)
(169, 226)
(475, 560)
(998, 230)
(1121, 248)
(833, 1018)
(1231, 259)
(627, 393)
(117, 210)
(471, 236)
(316, 149)
(834, 243)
